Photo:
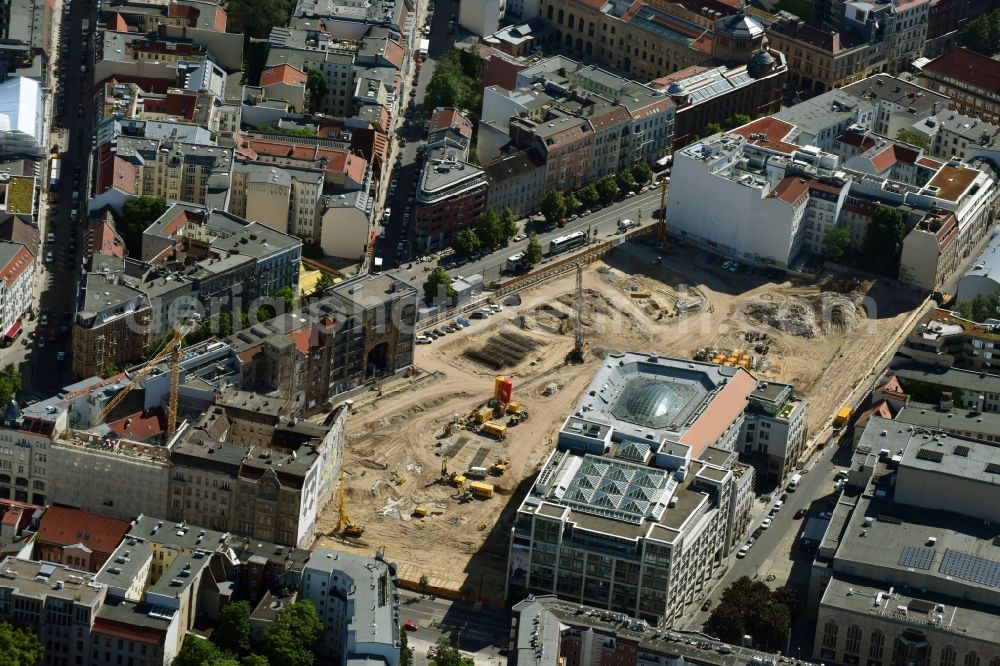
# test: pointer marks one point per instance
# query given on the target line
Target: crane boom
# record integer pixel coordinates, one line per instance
(138, 377)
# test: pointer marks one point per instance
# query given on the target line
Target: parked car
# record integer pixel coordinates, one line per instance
(518, 238)
(424, 340)
(801, 513)
(765, 523)
(742, 552)
(410, 626)
(708, 604)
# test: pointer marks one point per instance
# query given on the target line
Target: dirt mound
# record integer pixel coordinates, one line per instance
(805, 316)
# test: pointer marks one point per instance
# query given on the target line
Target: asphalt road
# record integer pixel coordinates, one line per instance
(56, 280)
(478, 631)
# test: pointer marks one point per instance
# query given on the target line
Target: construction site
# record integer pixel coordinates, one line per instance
(434, 460)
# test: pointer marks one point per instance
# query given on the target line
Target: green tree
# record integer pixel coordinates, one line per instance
(423, 582)
(641, 173)
(588, 195)
(325, 282)
(572, 203)
(749, 607)
(982, 33)
(625, 181)
(447, 655)
(137, 214)
(318, 87)
(981, 307)
(457, 81)
(19, 646)
(438, 285)
(257, 17)
(607, 188)
(465, 242)
(109, 369)
(290, 639)
(10, 383)
(835, 242)
(553, 207)
(711, 128)
(196, 651)
(737, 120)
(508, 225)
(488, 229)
(533, 252)
(312, 251)
(913, 138)
(883, 241)
(233, 632)
(254, 660)
(444, 89)
(287, 297)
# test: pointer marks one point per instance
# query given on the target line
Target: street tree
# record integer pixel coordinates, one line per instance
(553, 206)
(508, 225)
(641, 173)
(572, 203)
(835, 242)
(607, 188)
(488, 229)
(318, 88)
(533, 252)
(465, 242)
(883, 241)
(447, 655)
(19, 646)
(197, 651)
(750, 608)
(10, 382)
(588, 195)
(625, 181)
(233, 632)
(438, 285)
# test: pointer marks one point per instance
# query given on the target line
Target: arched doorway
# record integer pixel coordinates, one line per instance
(378, 362)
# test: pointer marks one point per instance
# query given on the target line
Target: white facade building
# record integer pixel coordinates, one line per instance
(21, 117)
(17, 271)
(480, 17)
(355, 598)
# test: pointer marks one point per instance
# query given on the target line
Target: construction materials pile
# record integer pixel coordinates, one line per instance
(805, 317)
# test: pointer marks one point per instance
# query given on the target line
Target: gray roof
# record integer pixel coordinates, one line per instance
(965, 380)
(136, 614)
(370, 290)
(128, 560)
(972, 424)
(373, 621)
(987, 264)
(102, 296)
(887, 88)
(180, 574)
(38, 580)
(179, 535)
(822, 111)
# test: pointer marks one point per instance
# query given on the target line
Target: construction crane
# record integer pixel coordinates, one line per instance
(172, 348)
(661, 230)
(345, 525)
(444, 467)
(579, 346)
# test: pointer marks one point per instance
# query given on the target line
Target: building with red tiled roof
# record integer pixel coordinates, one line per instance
(17, 271)
(76, 538)
(15, 518)
(970, 80)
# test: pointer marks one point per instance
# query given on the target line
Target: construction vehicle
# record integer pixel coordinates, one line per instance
(463, 496)
(482, 415)
(476, 472)
(444, 467)
(420, 511)
(843, 416)
(500, 466)
(457, 480)
(171, 348)
(498, 430)
(397, 478)
(481, 490)
(517, 417)
(345, 525)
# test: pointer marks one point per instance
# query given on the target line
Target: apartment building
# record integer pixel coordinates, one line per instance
(813, 165)
(283, 198)
(306, 49)
(17, 269)
(899, 570)
(774, 431)
(78, 539)
(357, 604)
(451, 191)
(970, 81)
(567, 142)
(516, 182)
(642, 496)
(111, 328)
(22, 117)
(820, 60)
(168, 168)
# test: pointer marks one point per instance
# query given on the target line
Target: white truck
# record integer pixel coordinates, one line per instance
(423, 47)
(793, 482)
(626, 224)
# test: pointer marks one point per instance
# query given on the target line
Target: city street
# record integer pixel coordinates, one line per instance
(479, 632)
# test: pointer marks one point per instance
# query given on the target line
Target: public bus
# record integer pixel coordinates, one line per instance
(567, 242)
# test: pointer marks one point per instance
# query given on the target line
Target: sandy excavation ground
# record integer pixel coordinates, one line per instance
(821, 339)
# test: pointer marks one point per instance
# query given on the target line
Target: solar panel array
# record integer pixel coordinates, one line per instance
(917, 557)
(993, 468)
(962, 450)
(929, 454)
(970, 567)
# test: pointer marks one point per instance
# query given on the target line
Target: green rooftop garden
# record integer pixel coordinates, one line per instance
(20, 195)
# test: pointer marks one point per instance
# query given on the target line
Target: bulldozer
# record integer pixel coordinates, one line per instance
(500, 466)
(517, 417)
(463, 497)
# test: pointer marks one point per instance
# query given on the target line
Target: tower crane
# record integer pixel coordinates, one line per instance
(579, 346)
(661, 230)
(171, 348)
(345, 526)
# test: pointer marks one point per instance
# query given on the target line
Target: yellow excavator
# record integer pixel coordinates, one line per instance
(345, 525)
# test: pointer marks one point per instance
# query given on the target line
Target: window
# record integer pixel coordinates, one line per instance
(948, 656)
(972, 658)
(853, 645)
(830, 635)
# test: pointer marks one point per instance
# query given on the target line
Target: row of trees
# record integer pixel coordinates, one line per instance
(489, 231)
(982, 33)
(981, 307)
(19, 646)
(751, 608)
(556, 205)
(457, 81)
(735, 120)
(881, 247)
(289, 641)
